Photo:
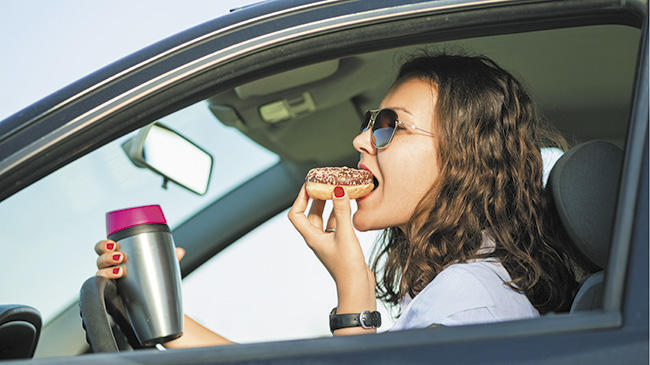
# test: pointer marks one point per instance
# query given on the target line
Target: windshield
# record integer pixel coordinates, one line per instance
(49, 228)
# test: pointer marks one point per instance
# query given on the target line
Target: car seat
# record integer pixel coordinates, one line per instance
(20, 327)
(584, 184)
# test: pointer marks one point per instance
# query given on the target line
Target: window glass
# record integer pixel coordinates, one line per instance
(48, 230)
(270, 281)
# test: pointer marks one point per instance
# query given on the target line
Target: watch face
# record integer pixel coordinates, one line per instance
(370, 319)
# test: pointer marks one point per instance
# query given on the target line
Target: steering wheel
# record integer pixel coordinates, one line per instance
(99, 302)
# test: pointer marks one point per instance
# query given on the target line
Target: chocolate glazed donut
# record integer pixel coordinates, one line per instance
(322, 181)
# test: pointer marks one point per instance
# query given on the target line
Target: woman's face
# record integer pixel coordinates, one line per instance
(405, 169)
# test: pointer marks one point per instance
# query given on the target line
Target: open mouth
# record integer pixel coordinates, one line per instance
(375, 182)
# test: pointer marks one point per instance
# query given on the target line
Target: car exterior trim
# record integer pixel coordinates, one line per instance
(629, 184)
(227, 54)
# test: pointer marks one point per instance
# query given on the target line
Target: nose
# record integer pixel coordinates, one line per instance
(362, 143)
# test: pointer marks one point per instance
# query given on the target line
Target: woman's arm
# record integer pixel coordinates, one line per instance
(356, 296)
(195, 335)
(339, 250)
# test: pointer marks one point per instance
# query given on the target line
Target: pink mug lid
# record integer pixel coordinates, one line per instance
(118, 220)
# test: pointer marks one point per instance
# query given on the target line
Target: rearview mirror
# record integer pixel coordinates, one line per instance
(171, 155)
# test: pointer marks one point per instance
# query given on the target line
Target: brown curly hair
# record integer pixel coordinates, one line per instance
(490, 182)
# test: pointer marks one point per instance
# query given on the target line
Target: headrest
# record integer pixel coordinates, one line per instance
(20, 328)
(584, 184)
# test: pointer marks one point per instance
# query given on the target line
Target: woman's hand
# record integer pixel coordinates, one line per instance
(338, 249)
(110, 259)
(194, 335)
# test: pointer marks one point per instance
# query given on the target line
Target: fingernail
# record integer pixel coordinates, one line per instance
(116, 257)
(109, 246)
(116, 270)
(339, 192)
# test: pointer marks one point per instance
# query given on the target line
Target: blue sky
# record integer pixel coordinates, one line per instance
(49, 44)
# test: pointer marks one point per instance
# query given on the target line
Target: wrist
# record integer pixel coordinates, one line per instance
(342, 323)
(355, 296)
(356, 306)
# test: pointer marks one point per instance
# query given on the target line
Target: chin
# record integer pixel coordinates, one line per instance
(360, 223)
(364, 223)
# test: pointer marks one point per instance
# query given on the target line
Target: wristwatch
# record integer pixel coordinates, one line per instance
(365, 319)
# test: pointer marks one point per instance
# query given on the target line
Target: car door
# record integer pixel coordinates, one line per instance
(278, 36)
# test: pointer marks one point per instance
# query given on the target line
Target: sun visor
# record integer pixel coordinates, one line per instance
(287, 80)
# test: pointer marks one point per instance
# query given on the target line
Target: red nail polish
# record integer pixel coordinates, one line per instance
(109, 246)
(339, 192)
(116, 270)
(116, 257)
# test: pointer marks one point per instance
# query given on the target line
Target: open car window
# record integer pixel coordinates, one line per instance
(586, 93)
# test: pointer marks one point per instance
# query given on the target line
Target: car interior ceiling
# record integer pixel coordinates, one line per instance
(581, 79)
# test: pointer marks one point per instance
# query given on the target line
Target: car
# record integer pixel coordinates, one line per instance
(268, 92)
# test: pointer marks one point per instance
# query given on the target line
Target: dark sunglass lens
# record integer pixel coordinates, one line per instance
(384, 127)
(383, 137)
(385, 119)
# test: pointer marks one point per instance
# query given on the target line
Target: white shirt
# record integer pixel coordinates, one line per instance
(466, 293)
(550, 155)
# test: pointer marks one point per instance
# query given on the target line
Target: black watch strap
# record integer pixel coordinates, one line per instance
(364, 319)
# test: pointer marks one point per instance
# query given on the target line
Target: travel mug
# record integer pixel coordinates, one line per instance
(151, 283)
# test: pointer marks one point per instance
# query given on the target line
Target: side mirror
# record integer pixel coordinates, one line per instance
(171, 155)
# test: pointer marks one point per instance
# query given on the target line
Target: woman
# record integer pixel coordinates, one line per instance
(455, 150)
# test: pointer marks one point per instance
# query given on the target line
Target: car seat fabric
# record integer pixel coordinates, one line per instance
(584, 184)
(590, 294)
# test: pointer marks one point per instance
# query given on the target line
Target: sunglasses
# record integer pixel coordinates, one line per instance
(384, 123)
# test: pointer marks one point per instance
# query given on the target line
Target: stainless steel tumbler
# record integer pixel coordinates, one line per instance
(151, 284)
